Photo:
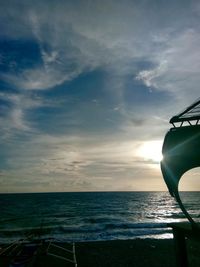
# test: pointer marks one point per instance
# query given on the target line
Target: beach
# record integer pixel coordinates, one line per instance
(126, 253)
(117, 253)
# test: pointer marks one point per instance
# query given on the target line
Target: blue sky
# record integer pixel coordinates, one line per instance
(87, 89)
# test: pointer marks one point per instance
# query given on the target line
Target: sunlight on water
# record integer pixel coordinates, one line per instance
(90, 216)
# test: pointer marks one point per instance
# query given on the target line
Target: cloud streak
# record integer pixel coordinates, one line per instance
(83, 85)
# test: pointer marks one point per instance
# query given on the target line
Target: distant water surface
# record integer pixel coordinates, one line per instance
(92, 216)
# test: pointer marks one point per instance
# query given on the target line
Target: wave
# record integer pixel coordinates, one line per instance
(89, 232)
(136, 225)
(91, 216)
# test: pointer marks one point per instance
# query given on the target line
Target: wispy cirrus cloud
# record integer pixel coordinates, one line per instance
(71, 44)
(177, 68)
(84, 84)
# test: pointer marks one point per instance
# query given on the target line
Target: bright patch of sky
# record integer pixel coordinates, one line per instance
(86, 84)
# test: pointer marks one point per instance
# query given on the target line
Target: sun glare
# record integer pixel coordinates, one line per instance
(151, 150)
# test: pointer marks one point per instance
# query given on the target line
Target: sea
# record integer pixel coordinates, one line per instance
(92, 216)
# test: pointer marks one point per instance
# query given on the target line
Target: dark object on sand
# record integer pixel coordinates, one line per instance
(181, 150)
(40, 253)
(25, 256)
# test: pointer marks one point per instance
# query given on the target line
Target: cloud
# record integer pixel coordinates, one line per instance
(113, 36)
(149, 76)
(70, 44)
(39, 78)
(15, 118)
(64, 52)
(177, 69)
(74, 160)
(86, 133)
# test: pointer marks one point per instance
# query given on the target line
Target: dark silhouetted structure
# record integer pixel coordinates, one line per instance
(181, 152)
(190, 115)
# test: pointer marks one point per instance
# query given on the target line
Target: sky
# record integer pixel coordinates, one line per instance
(87, 89)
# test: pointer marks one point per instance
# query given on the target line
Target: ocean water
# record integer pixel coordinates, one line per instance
(92, 216)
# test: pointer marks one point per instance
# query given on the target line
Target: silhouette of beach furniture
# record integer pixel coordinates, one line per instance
(25, 256)
(65, 253)
(27, 253)
(19, 253)
(180, 154)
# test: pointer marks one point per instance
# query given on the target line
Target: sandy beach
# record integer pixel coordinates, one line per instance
(119, 253)
(126, 253)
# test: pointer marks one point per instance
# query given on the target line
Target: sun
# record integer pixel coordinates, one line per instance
(151, 150)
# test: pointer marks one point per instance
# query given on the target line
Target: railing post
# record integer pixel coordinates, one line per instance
(180, 248)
